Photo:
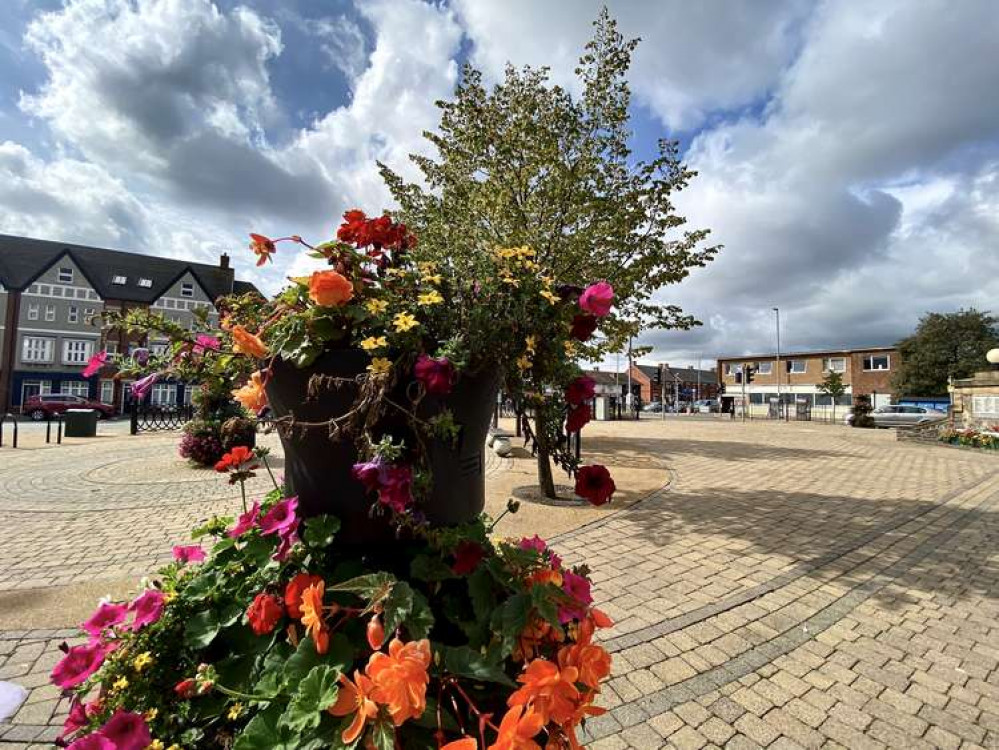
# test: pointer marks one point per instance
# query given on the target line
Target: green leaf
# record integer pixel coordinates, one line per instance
(467, 662)
(481, 589)
(421, 618)
(320, 531)
(366, 586)
(398, 604)
(305, 659)
(202, 629)
(383, 735)
(264, 733)
(543, 598)
(315, 694)
(427, 568)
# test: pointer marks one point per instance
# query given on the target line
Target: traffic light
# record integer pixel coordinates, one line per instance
(738, 376)
(749, 375)
(658, 378)
(787, 366)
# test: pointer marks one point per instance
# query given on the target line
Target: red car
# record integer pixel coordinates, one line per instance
(40, 407)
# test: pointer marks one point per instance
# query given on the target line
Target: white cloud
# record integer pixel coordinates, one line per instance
(343, 43)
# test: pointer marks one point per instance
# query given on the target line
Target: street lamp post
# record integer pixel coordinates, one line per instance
(779, 404)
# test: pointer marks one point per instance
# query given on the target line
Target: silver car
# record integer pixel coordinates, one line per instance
(902, 416)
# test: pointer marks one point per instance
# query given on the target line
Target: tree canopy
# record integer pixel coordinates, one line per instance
(944, 345)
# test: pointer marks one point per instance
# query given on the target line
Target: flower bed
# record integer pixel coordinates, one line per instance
(284, 628)
(972, 438)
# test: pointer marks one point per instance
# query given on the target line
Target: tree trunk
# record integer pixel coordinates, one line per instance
(545, 480)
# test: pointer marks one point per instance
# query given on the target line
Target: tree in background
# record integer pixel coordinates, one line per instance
(945, 345)
(527, 164)
(833, 385)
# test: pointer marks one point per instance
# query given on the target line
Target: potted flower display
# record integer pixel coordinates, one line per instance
(364, 602)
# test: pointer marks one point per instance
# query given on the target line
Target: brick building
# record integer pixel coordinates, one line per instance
(866, 371)
(689, 383)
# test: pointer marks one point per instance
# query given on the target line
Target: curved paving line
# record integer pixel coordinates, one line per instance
(665, 627)
(651, 705)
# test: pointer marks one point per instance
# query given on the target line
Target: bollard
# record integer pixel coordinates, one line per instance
(13, 421)
(58, 429)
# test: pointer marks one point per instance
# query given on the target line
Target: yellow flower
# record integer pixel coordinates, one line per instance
(549, 295)
(235, 711)
(380, 366)
(151, 714)
(169, 597)
(426, 267)
(433, 297)
(376, 306)
(374, 342)
(524, 362)
(508, 279)
(120, 684)
(175, 746)
(531, 265)
(155, 745)
(531, 342)
(142, 661)
(432, 278)
(404, 321)
(570, 348)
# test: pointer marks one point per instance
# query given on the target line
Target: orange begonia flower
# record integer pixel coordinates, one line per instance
(246, 343)
(551, 691)
(354, 698)
(329, 288)
(591, 661)
(518, 729)
(312, 616)
(252, 395)
(538, 632)
(547, 575)
(465, 743)
(400, 678)
(263, 248)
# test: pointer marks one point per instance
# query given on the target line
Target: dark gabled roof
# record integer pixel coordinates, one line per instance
(245, 287)
(685, 374)
(23, 260)
(602, 377)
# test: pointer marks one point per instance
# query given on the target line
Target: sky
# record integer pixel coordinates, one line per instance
(847, 152)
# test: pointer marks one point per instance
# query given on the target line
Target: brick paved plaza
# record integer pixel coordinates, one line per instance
(773, 585)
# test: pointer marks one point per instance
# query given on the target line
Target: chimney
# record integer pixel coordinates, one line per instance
(224, 260)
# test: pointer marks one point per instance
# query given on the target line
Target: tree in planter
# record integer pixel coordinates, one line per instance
(832, 385)
(527, 164)
(862, 409)
(945, 345)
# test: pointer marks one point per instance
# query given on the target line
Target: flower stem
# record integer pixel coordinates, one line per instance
(270, 473)
(242, 491)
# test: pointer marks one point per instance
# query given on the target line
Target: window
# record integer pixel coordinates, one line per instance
(877, 362)
(32, 312)
(79, 388)
(834, 364)
(76, 351)
(145, 283)
(88, 315)
(37, 349)
(796, 366)
(111, 347)
(164, 394)
(66, 275)
(50, 313)
(731, 369)
(187, 289)
(73, 316)
(119, 280)
(764, 368)
(44, 289)
(107, 391)
(158, 349)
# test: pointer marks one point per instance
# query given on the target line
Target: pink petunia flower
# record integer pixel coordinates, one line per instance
(148, 608)
(288, 538)
(127, 731)
(203, 341)
(142, 387)
(597, 298)
(245, 522)
(436, 375)
(96, 741)
(578, 588)
(536, 543)
(76, 720)
(281, 517)
(94, 364)
(106, 616)
(191, 553)
(78, 664)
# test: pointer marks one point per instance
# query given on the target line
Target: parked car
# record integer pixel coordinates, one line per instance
(707, 406)
(901, 416)
(40, 407)
(653, 406)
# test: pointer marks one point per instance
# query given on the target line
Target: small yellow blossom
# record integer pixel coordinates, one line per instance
(549, 295)
(175, 746)
(235, 711)
(374, 342)
(380, 366)
(508, 279)
(426, 266)
(531, 265)
(169, 597)
(394, 272)
(376, 306)
(432, 297)
(524, 362)
(120, 684)
(155, 745)
(404, 321)
(432, 278)
(570, 348)
(151, 714)
(142, 661)
(530, 342)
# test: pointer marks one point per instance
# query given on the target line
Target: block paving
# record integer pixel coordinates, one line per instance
(792, 586)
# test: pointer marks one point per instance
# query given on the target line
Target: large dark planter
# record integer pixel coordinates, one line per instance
(318, 469)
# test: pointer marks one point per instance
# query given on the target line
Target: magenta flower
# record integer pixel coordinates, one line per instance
(437, 375)
(536, 543)
(96, 741)
(282, 517)
(142, 387)
(203, 341)
(76, 720)
(191, 553)
(396, 489)
(579, 390)
(245, 522)
(597, 298)
(94, 364)
(578, 588)
(106, 616)
(148, 608)
(367, 474)
(288, 539)
(78, 664)
(127, 731)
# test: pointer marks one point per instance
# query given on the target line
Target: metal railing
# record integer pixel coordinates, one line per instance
(158, 418)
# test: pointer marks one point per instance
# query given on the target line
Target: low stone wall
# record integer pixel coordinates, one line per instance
(921, 433)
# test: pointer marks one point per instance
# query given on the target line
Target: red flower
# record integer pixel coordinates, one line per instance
(264, 613)
(581, 389)
(595, 484)
(381, 233)
(583, 326)
(239, 462)
(579, 417)
(597, 298)
(186, 688)
(467, 556)
(293, 593)
(263, 248)
(437, 375)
